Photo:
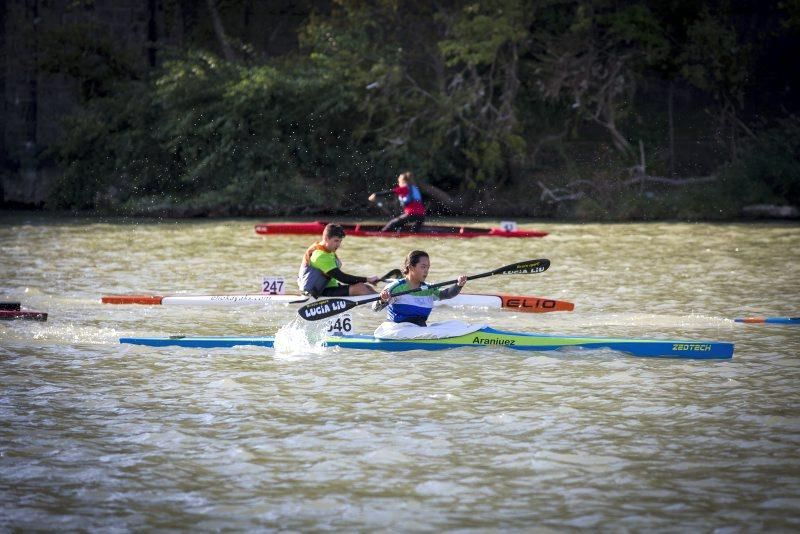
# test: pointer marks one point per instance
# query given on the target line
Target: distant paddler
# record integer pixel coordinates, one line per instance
(321, 274)
(410, 198)
(414, 307)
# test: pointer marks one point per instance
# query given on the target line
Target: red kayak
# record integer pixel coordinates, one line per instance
(374, 230)
(14, 310)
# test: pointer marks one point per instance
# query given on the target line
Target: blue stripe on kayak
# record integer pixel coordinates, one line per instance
(772, 320)
(199, 342)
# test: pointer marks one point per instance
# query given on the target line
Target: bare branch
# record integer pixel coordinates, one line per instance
(670, 181)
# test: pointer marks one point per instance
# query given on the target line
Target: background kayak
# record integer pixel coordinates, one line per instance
(374, 230)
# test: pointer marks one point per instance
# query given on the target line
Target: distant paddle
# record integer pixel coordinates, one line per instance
(323, 309)
(394, 274)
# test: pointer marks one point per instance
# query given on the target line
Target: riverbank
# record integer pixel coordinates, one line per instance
(40, 217)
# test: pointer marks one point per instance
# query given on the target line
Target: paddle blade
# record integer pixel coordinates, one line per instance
(325, 308)
(524, 267)
(394, 274)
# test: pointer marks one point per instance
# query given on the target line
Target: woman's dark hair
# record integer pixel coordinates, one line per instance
(413, 258)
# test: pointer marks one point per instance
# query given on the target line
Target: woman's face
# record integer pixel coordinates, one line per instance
(419, 272)
(401, 181)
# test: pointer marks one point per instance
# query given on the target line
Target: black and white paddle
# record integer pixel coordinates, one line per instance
(394, 274)
(323, 309)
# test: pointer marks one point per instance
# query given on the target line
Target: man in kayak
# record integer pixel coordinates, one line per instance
(411, 199)
(414, 307)
(320, 271)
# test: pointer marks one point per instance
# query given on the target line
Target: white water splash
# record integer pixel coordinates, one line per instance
(301, 337)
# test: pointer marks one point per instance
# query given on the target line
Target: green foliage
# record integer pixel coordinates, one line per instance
(89, 55)
(769, 170)
(792, 11)
(435, 93)
(474, 97)
(637, 27)
(482, 30)
(109, 149)
(206, 129)
(592, 58)
(714, 60)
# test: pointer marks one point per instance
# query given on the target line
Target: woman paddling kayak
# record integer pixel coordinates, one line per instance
(414, 307)
(411, 199)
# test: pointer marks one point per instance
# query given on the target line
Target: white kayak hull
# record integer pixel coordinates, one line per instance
(473, 300)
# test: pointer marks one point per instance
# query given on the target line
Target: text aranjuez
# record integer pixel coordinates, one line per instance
(489, 341)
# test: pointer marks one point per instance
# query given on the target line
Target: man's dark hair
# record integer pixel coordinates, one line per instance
(333, 230)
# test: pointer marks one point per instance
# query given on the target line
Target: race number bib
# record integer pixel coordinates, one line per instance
(340, 324)
(273, 285)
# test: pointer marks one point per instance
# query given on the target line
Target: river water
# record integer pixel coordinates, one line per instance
(96, 435)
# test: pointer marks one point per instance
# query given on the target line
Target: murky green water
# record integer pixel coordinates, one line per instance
(95, 435)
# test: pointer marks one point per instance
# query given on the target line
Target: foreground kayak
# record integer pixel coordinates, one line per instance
(485, 337)
(520, 303)
(374, 230)
(768, 320)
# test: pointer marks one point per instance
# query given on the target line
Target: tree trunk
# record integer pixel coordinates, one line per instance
(152, 32)
(29, 153)
(219, 31)
(671, 126)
